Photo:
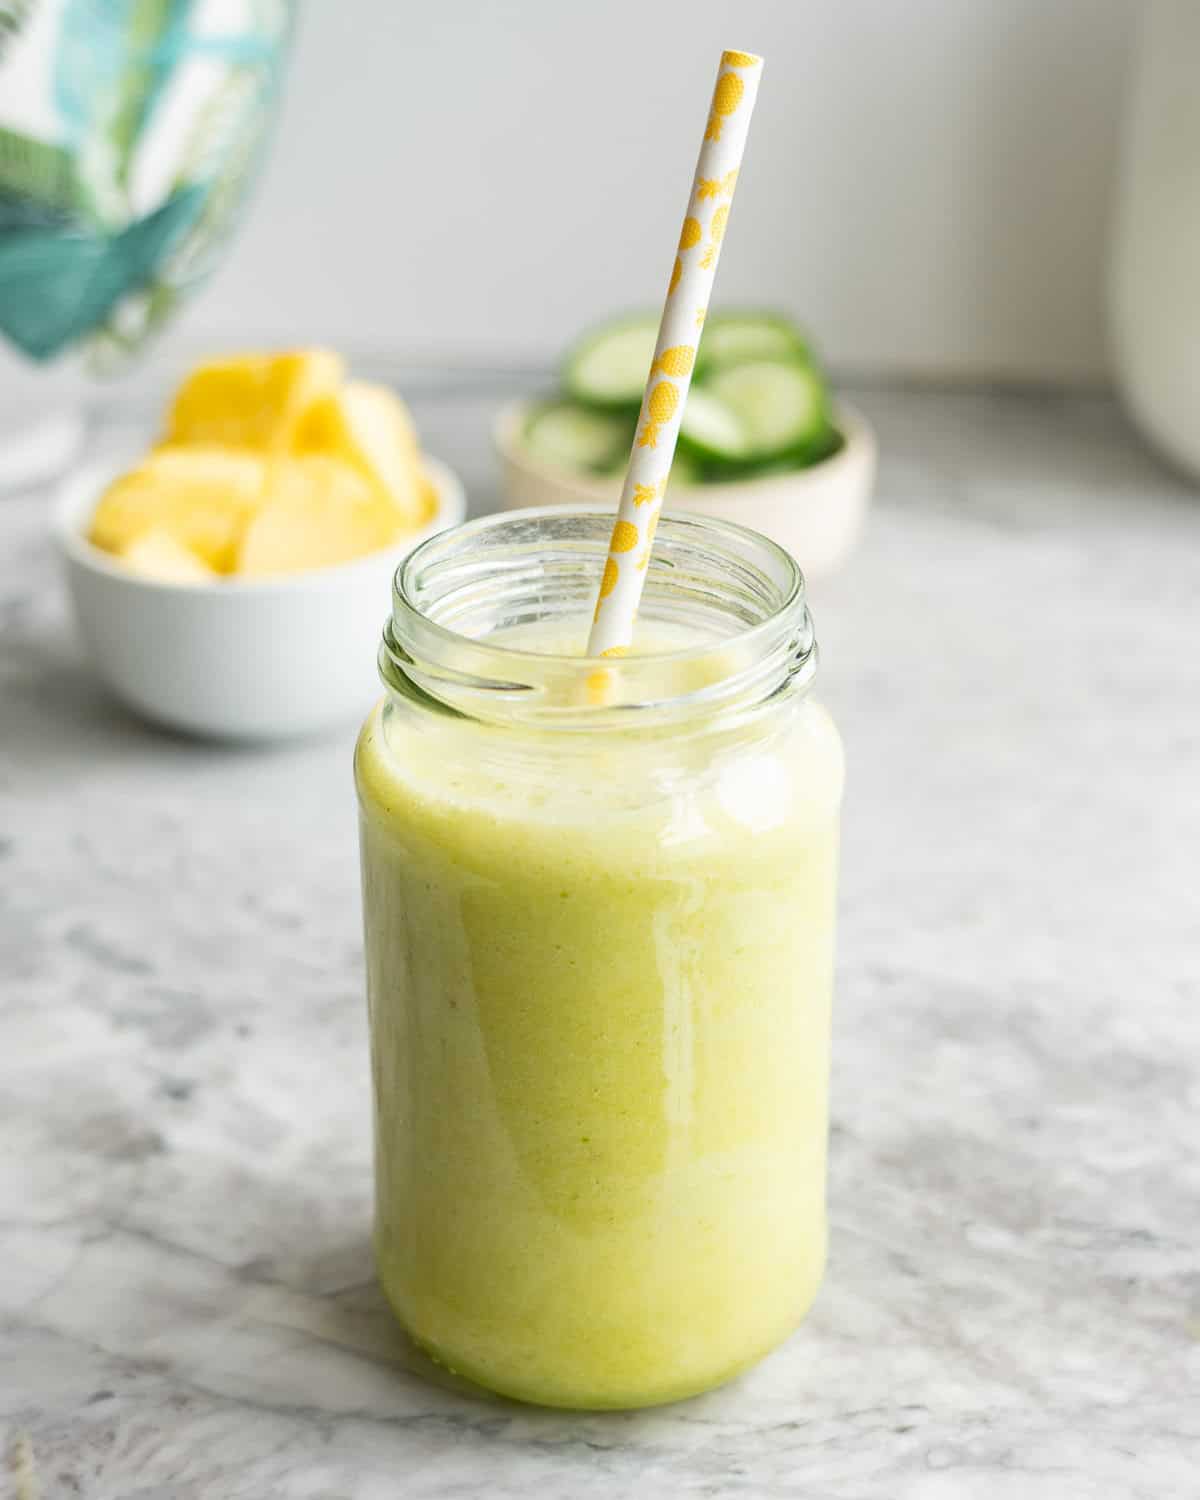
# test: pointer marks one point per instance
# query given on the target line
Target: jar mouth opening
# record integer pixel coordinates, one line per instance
(728, 604)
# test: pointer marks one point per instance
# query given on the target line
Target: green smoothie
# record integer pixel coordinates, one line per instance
(599, 984)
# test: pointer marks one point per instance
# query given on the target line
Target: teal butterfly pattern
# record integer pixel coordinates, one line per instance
(111, 219)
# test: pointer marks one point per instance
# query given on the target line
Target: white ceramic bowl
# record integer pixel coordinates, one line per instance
(817, 513)
(242, 658)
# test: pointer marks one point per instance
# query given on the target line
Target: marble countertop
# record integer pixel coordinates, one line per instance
(1012, 1309)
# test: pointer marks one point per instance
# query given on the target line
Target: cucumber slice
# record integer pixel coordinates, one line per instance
(736, 338)
(781, 405)
(576, 437)
(829, 443)
(685, 469)
(608, 365)
(712, 429)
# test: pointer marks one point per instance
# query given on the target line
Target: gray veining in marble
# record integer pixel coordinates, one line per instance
(1012, 1309)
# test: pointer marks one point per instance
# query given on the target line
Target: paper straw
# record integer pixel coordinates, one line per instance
(675, 353)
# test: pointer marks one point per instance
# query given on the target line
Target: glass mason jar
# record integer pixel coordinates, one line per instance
(599, 905)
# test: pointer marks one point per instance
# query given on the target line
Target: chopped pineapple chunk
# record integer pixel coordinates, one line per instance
(157, 554)
(252, 400)
(202, 496)
(319, 511)
(270, 464)
(370, 427)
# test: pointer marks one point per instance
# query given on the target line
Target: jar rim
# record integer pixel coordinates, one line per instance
(747, 591)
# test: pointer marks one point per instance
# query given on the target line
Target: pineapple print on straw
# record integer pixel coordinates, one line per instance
(726, 98)
(689, 237)
(693, 269)
(720, 187)
(716, 232)
(661, 406)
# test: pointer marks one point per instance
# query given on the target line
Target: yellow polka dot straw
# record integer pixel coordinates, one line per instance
(692, 272)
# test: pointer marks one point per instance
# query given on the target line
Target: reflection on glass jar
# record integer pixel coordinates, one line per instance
(599, 917)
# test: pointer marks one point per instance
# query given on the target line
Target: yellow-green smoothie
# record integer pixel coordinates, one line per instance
(599, 975)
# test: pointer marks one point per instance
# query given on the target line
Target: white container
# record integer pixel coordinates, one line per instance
(816, 513)
(255, 659)
(1154, 272)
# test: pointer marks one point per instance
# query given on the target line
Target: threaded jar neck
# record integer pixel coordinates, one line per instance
(734, 599)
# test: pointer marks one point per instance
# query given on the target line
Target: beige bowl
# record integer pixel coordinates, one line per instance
(815, 513)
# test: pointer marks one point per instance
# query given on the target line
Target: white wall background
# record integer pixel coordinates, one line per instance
(927, 183)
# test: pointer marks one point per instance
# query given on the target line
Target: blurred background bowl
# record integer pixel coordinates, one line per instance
(816, 513)
(252, 659)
